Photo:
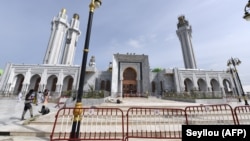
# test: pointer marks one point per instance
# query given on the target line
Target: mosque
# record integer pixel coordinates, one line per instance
(128, 74)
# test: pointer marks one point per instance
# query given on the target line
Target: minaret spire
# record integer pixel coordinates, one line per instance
(184, 33)
(71, 40)
(57, 37)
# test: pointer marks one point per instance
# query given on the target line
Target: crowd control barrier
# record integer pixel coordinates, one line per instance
(143, 122)
(96, 124)
(154, 123)
(242, 115)
(210, 115)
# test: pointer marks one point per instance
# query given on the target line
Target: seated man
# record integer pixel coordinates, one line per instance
(44, 110)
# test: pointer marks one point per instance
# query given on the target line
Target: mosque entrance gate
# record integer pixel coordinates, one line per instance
(129, 82)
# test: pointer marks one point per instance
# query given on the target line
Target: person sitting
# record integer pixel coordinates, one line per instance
(44, 110)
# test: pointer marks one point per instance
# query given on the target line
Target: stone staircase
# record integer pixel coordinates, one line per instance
(40, 127)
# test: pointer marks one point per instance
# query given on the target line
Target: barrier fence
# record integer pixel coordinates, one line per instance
(96, 124)
(154, 123)
(141, 122)
(242, 115)
(210, 114)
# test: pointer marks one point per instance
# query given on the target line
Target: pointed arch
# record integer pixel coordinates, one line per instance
(108, 85)
(129, 81)
(202, 85)
(68, 83)
(19, 83)
(34, 82)
(102, 85)
(215, 85)
(153, 86)
(188, 85)
(51, 83)
(227, 87)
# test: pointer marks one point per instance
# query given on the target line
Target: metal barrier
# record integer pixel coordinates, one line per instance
(96, 124)
(210, 115)
(154, 123)
(242, 114)
(145, 123)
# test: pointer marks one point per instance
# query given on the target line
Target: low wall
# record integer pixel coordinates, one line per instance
(211, 101)
(92, 102)
(85, 102)
(203, 101)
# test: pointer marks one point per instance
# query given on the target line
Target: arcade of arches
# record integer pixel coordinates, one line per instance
(52, 83)
(202, 85)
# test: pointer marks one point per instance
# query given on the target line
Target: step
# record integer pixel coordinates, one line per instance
(41, 127)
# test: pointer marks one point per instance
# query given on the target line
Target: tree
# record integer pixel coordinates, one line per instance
(156, 70)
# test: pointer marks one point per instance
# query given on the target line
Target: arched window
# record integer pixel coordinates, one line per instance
(102, 85)
(108, 85)
(153, 86)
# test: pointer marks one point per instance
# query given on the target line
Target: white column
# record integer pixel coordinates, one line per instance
(209, 89)
(44, 79)
(60, 82)
(195, 82)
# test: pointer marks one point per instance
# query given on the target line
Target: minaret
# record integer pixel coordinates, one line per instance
(57, 37)
(71, 40)
(184, 32)
(92, 61)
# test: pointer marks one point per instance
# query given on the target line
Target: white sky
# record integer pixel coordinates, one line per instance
(131, 26)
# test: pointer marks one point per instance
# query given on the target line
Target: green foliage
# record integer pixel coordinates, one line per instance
(67, 93)
(191, 95)
(1, 72)
(93, 94)
(156, 70)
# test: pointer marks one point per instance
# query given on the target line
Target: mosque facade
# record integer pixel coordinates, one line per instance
(128, 74)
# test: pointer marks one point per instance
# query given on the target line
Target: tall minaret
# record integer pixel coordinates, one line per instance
(184, 32)
(57, 37)
(71, 40)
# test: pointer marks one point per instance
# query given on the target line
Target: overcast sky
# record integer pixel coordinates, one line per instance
(131, 26)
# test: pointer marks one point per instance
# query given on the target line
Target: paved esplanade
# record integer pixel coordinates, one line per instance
(11, 111)
(10, 119)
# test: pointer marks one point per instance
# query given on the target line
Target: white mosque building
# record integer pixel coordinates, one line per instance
(128, 75)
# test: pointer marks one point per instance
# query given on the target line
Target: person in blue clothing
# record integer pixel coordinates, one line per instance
(27, 104)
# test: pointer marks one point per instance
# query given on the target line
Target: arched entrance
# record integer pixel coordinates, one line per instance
(215, 85)
(19, 83)
(202, 85)
(68, 83)
(227, 87)
(51, 83)
(34, 82)
(188, 85)
(129, 82)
